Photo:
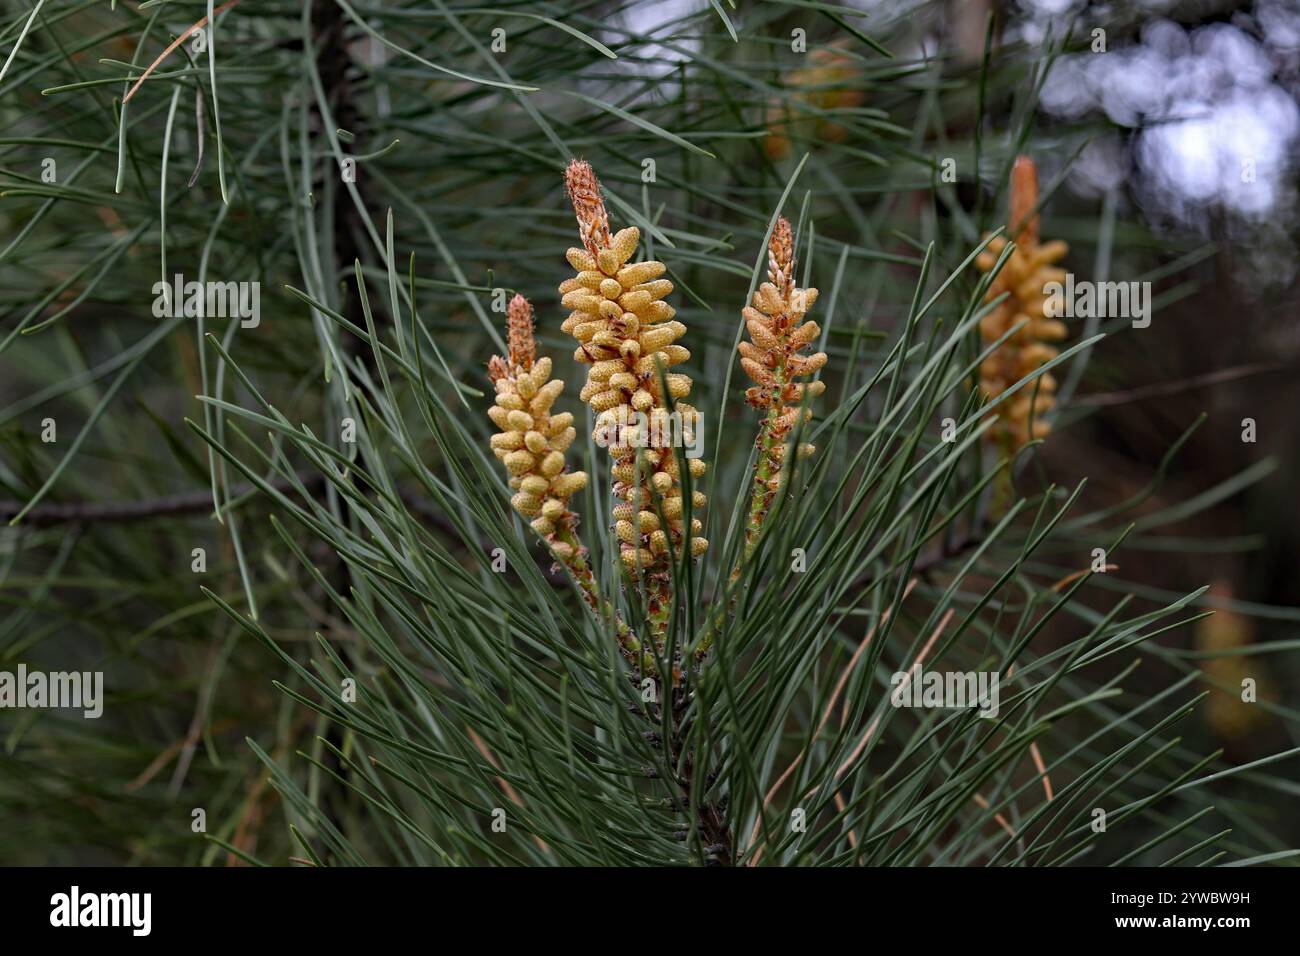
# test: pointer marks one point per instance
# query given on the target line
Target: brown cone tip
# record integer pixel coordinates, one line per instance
(519, 329)
(588, 204)
(780, 256)
(1024, 197)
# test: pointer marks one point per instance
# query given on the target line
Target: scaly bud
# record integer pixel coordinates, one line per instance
(519, 331)
(589, 206)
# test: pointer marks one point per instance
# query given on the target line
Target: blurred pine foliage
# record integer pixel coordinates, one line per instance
(329, 561)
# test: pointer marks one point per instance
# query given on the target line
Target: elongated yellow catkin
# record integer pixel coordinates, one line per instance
(1024, 278)
(774, 359)
(627, 334)
(531, 441)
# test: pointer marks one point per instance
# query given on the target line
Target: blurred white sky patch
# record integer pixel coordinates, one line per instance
(1238, 152)
(1279, 21)
(1050, 8)
(666, 19)
(1214, 122)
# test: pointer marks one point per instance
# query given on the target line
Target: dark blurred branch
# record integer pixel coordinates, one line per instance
(52, 514)
(1171, 388)
(949, 551)
(98, 512)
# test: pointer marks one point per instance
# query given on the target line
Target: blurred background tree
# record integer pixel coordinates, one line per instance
(1165, 144)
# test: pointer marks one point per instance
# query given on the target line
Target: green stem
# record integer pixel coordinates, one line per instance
(582, 575)
(765, 468)
(1003, 489)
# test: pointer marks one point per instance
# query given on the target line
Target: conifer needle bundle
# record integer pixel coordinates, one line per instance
(478, 639)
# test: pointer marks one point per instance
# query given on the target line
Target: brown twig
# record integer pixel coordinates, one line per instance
(1171, 388)
(511, 794)
(52, 514)
(830, 706)
(97, 512)
(983, 804)
(916, 666)
(1042, 769)
(1075, 575)
(174, 44)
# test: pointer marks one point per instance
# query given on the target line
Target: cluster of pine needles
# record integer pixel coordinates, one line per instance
(361, 605)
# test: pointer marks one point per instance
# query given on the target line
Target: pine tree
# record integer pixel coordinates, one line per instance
(361, 598)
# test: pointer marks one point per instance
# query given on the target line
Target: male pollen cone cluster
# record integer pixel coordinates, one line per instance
(773, 359)
(626, 333)
(1026, 273)
(532, 441)
(832, 82)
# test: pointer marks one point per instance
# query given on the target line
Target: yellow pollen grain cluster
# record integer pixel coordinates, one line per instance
(626, 333)
(774, 359)
(1024, 277)
(532, 441)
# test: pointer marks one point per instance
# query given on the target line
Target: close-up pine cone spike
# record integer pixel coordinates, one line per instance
(774, 360)
(1024, 277)
(532, 441)
(626, 333)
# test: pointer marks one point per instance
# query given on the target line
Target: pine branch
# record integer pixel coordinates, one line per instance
(53, 514)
